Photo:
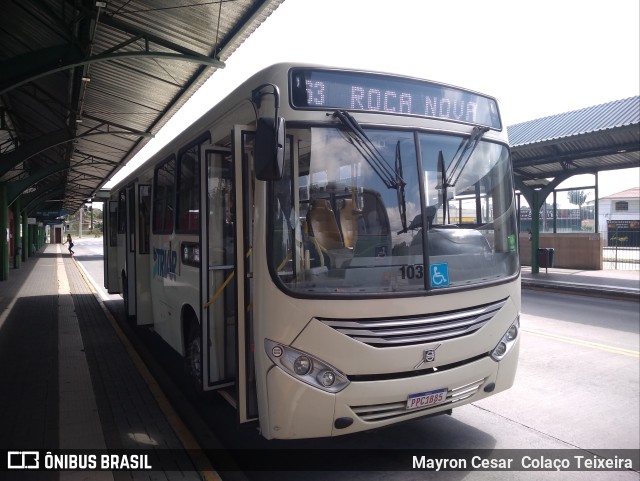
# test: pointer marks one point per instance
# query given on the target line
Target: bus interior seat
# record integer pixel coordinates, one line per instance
(349, 223)
(373, 231)
(280, 234)
(324, 225)
(326, 233)
(375, 221)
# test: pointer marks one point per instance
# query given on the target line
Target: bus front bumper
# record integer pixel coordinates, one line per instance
(297, 410)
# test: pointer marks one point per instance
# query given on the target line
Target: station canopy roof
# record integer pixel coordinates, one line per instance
(85, 84)
(602, 137)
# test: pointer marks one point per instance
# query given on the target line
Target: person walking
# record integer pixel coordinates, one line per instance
(70, 242)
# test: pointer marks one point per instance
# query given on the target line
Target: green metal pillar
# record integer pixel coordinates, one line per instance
(31, 240)
(17, 233)
(535, 230)
(4, 234)
(25, 236)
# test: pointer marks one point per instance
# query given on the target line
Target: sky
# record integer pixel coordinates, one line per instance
(537, 58)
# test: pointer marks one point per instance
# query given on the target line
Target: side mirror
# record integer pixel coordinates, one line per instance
(269, 148)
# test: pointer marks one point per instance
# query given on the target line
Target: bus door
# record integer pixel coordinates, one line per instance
(144, 308)
(243, 148)
(225, 274)
(130, 287)
(110, 240)
(218, 275)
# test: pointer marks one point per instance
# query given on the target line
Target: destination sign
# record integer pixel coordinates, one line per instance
(334, 89)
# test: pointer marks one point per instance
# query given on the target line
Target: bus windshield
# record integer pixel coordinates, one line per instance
(393, 211)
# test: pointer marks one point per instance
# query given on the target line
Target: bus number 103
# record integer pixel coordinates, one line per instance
(412, 271)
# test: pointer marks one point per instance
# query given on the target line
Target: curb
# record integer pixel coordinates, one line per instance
(583, 289)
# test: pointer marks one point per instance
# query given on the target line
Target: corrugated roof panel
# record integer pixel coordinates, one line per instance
(187, 23)
(610, 115)
(139, 93)
(602, 137)
(146, 92)
(35, 26)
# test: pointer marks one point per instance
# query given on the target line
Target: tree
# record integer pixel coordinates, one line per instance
(577, 197)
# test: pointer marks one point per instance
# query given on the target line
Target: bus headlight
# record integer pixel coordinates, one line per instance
(305, 367)
(302, 365)
(507, 341)
(326, 378)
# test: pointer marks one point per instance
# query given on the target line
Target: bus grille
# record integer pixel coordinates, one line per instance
(392, 332)
(383, 412)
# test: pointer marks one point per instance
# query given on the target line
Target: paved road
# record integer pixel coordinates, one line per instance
(90, 254)
(578, 373)
(577, 388)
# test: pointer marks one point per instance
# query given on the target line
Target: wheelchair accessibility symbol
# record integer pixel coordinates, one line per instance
(439, 275)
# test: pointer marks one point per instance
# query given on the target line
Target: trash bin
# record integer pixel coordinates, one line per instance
(546, 257)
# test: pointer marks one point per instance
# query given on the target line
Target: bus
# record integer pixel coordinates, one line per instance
(331, 250)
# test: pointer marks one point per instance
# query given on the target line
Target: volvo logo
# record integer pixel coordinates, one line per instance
(428, 355)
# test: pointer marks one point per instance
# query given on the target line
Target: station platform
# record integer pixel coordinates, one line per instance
(70, 379)
(615, 284)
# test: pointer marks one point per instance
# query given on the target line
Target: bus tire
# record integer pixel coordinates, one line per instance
(193, 356)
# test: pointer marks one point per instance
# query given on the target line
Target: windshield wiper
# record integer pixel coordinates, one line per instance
(402, 203)
(442, 185)
(462, 155)
(358, 138)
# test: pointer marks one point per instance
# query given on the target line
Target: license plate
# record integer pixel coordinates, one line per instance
(426, 399)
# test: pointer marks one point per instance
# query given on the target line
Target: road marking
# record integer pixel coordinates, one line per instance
(593, 345)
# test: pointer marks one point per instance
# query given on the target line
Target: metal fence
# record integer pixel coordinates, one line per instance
(621, 258)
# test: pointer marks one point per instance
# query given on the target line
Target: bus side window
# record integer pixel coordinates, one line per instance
(113, 223)
(188, 187)
(164, 196)
(144, 203)
(122, 212)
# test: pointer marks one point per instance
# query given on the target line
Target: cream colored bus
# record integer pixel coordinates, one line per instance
(332, 250)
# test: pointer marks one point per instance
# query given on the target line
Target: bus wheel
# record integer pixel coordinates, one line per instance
(193, 356)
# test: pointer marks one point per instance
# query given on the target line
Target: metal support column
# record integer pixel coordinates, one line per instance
(535, 230)
(4, 233)
(17, 233)
(25, 236)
